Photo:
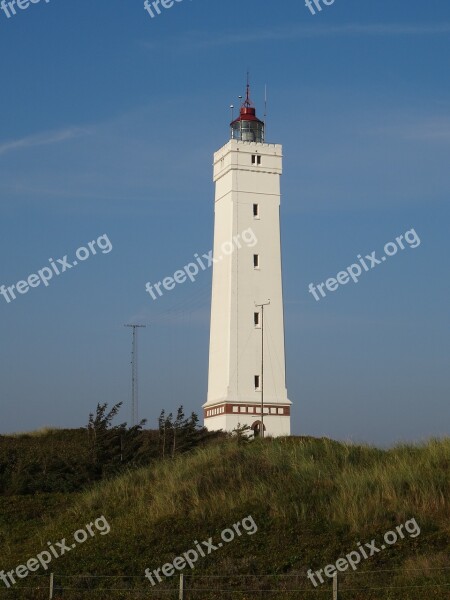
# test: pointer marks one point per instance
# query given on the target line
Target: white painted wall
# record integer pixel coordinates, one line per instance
(235, 343)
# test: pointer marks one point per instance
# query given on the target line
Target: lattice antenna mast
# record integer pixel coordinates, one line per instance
(134, 375)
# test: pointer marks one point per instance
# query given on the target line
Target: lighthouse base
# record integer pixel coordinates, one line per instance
(229, 416)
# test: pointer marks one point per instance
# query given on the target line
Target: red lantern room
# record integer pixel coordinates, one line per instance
(247, 127)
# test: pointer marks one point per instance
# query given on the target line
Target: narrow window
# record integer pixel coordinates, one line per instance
(253, 159)
(256, 210)
(256, 261)
(258, 160)
(256, 382)
(256, 319)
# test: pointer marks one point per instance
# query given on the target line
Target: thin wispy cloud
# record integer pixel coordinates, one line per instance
(42, 139)
(423, 128)
(197, 40)
(431, 131)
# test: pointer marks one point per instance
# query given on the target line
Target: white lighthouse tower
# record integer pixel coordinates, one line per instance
(246, 383)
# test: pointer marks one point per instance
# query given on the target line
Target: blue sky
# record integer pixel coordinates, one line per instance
(109, 122)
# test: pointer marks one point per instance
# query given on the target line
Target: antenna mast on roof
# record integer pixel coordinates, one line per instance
(265, 112)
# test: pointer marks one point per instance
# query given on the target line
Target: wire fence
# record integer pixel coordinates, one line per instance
(378, 584)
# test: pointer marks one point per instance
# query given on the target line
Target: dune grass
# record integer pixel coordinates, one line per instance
(313, 500)
(350, 486)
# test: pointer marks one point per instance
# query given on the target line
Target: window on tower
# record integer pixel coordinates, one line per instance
(256, 211)
(256, 261)
(256, 382)
(256, 159)
(256, 319)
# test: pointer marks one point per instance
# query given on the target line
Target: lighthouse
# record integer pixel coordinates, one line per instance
(246, 378)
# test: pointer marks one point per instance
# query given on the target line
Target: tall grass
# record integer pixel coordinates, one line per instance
(294, 478)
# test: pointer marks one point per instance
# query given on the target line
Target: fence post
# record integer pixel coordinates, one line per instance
(51, 586)
(181, 594)
(335, 586)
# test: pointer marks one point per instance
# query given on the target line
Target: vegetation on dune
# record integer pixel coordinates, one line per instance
(350, 486)
(312, 499)
(69, 460)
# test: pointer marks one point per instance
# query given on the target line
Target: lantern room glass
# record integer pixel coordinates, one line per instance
(248, 131)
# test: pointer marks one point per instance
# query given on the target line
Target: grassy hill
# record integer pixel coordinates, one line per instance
(312, 501)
